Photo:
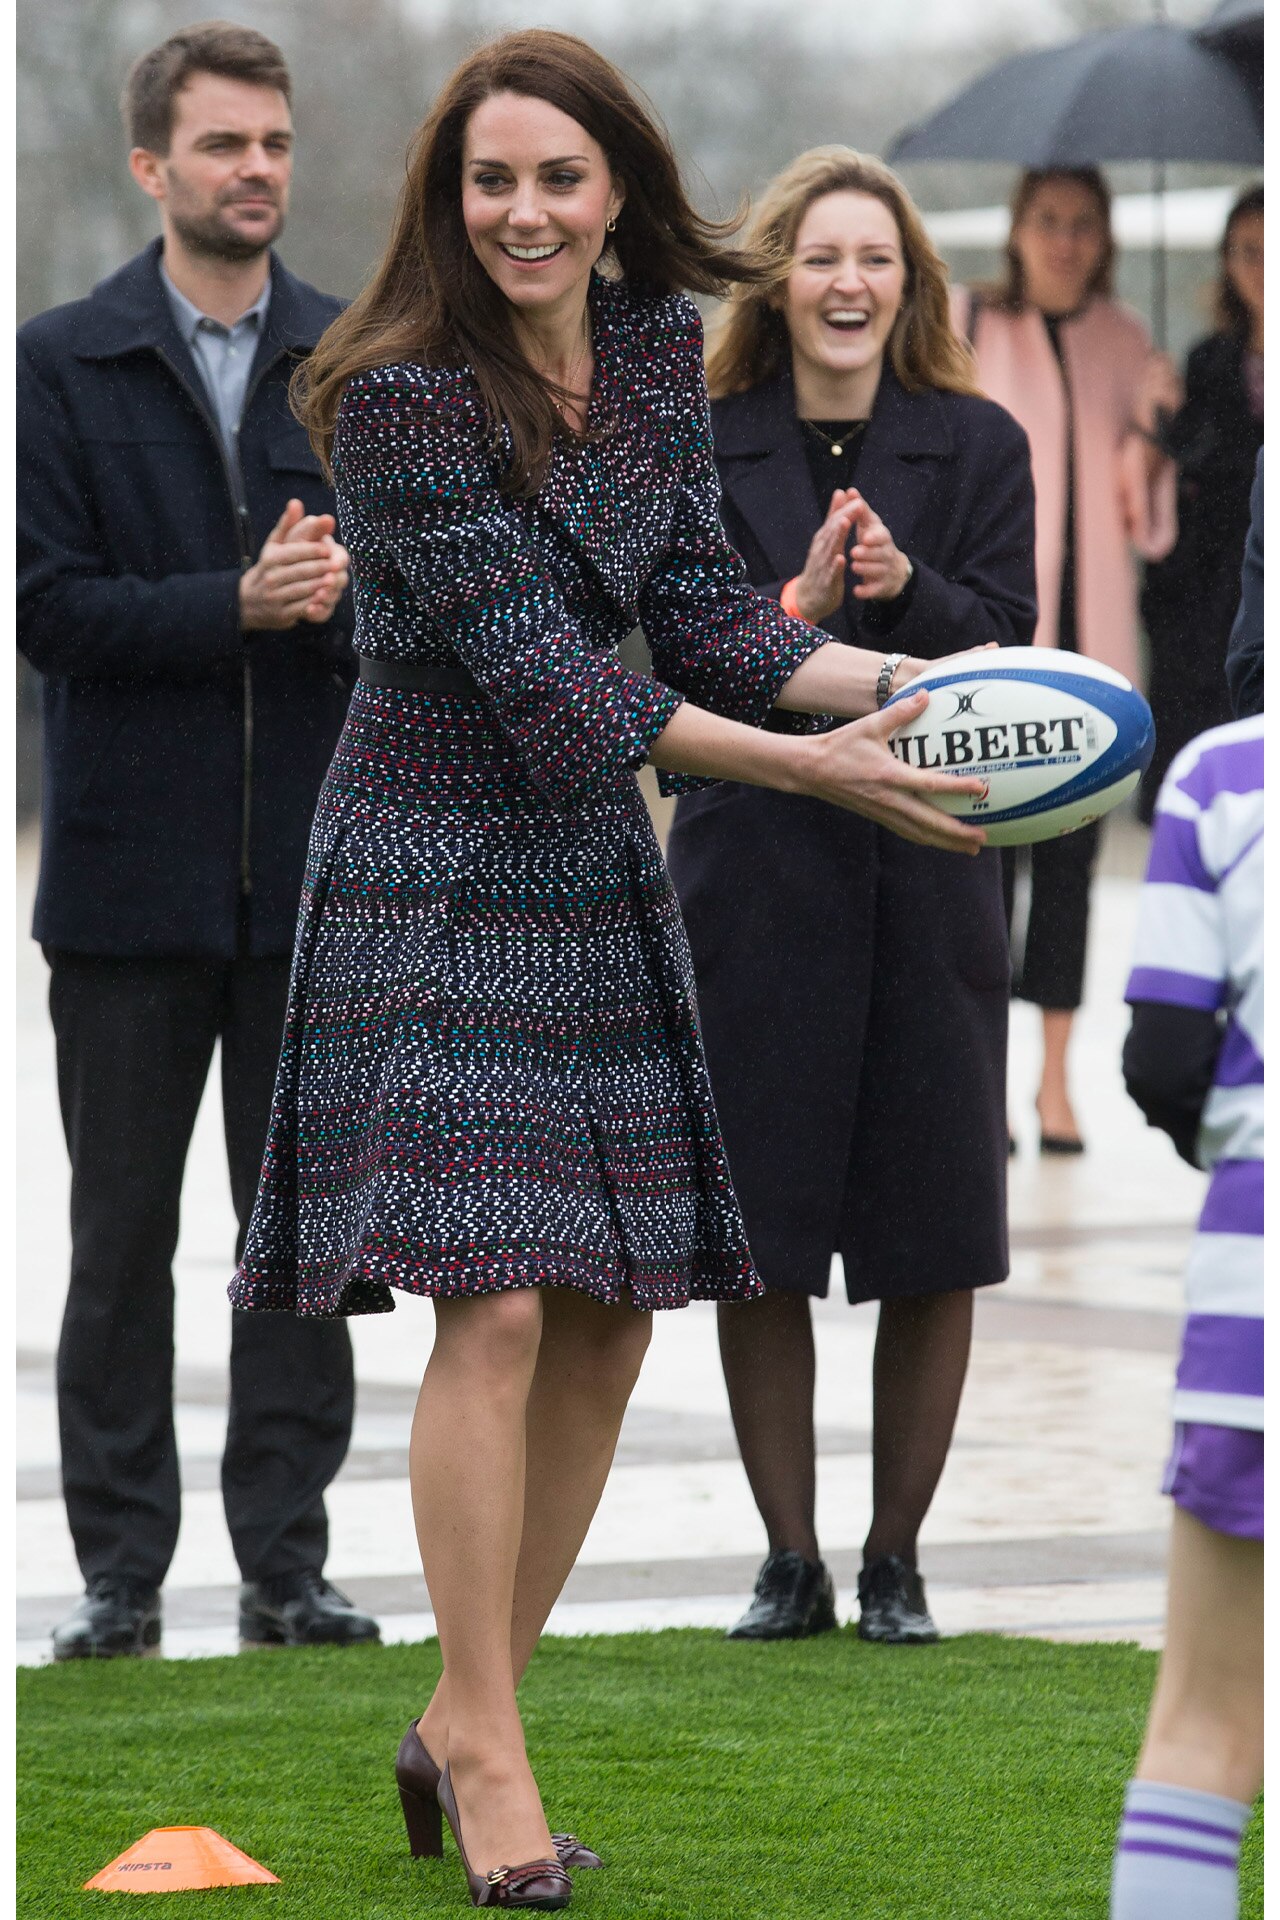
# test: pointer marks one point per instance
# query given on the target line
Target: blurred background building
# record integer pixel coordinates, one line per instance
(742, 88)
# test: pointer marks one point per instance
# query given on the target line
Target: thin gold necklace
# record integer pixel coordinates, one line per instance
(836, 446)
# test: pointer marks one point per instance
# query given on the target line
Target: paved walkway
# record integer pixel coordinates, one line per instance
(1047, 1520)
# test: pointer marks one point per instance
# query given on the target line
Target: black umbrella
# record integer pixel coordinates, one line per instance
(1151, 92)
(1234, 23)
(1235, 29)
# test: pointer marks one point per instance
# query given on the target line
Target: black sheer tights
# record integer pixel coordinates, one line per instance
(921, 1357)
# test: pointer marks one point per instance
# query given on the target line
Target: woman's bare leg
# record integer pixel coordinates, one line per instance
(588, 1364)
(588, 1361)
(1053, 1102)
(1205, 1730)
(467, 1475)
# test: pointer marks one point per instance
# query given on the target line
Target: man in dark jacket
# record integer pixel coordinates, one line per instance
(184, 599)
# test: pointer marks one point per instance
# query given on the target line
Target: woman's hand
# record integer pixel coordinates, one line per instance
(1159, 391)
(820, 588)
(855, 767)
(883, 569)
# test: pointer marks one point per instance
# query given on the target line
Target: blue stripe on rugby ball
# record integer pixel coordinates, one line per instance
(1124, 706)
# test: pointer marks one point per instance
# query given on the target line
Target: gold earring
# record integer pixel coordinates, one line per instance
(611, 223)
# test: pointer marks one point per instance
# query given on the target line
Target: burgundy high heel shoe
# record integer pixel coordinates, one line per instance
(418, 1778)
(540, 1884)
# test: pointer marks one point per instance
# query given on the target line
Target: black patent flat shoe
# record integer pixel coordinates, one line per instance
(893, 1607)
(418, 1781)
(1060, 1143)
(118, 1617)
(794, 1599)
(301, 1610)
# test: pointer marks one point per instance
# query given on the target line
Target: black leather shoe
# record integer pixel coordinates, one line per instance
(118, 1616)
(301, 1610)
(794, 1598)
(1060, 1143)
(894, 1609)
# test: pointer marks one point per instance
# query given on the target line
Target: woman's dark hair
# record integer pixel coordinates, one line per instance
(431, 299)
(1010, 292)
(215, 46)
(1230, 311)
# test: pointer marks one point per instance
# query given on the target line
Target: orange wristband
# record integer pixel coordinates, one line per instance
(788, 600)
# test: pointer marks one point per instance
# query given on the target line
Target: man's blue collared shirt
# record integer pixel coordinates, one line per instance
(223, 356)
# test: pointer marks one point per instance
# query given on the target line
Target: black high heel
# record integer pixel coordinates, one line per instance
(539, 1884)
(418, 1778)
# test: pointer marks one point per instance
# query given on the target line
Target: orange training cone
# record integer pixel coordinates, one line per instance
(176, 1859)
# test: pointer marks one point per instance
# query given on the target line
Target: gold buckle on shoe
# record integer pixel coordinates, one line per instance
(496, 1875)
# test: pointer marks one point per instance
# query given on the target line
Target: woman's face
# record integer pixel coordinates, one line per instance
(536, 193)
(1060, 241)
(845, 288)
(1244, 260)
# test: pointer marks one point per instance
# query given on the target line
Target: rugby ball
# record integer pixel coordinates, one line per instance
(1060, 739)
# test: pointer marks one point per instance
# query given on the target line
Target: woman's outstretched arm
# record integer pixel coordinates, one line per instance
(851, 767)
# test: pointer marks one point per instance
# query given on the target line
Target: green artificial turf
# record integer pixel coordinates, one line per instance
(979, 1779)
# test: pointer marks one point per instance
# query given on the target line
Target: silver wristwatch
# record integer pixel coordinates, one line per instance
(888, 667)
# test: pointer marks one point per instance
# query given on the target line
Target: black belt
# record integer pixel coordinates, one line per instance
(398, 673)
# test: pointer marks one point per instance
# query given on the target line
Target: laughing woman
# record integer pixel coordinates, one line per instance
(854, 990)
(492, 1091)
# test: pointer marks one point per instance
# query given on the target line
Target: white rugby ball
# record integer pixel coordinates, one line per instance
(1060, 739)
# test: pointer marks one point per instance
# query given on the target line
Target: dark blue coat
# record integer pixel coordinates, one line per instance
(853, 988)
(182, 757)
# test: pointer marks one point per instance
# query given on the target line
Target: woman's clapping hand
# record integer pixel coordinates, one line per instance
(882, 568)
(820, 588)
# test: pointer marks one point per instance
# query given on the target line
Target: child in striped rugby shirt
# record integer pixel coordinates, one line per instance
(1193, 1062)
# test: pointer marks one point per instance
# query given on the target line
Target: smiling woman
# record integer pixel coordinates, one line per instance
(534, 224)
(492, 1090)
(871, 489)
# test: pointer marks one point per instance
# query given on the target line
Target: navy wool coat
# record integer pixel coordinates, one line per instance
(853, 987)
(491, 1074)
(182, 757)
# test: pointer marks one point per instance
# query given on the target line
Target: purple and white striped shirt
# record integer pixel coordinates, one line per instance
(1199, 944)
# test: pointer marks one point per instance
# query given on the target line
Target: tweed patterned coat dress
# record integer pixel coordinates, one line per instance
(491, 1073)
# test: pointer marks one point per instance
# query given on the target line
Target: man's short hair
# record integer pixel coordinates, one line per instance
(214, 46)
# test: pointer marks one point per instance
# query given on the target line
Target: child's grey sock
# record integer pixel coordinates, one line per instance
(1177, 1855)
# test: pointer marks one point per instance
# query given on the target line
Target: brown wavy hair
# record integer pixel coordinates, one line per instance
(1009, 293)
(430, 299)
(1230, 312)
(751, 343)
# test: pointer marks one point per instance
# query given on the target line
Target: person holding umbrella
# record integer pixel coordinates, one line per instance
(1076, 368)
(1189, 600)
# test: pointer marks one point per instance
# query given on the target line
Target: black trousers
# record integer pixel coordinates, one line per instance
(135, 1040)
(1049, 928)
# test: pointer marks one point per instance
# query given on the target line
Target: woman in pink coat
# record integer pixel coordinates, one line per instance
(1076, 369)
